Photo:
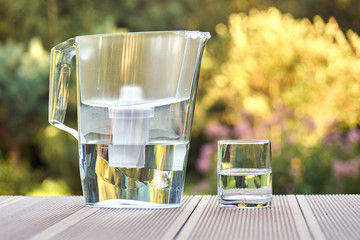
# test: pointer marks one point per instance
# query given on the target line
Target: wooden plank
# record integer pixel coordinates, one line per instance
(310, 218)
(5, 201)
(190, 225)
(302, 228)
(199, 217)
(179, 222)
(26, 216)
(124, 223)
(337, 215)
(3, 198)
(64, 223)
(281, 221)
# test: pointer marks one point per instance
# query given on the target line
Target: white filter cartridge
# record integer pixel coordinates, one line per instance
(127, 156)
(130, 130)
(179, 157)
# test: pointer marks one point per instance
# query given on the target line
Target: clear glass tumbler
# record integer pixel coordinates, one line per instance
(244, 173)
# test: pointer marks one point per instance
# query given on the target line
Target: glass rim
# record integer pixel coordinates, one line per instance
(194, 33)
(237, 142)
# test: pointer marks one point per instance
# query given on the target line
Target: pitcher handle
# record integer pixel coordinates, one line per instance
(60, 69)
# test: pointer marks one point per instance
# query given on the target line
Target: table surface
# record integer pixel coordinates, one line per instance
(199, 217)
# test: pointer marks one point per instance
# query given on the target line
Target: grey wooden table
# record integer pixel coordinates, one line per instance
(199, 217)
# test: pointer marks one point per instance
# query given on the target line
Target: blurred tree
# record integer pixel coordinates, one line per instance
(26, 136)
(21, 20)
(24, 131)
(54, 20)
(23, 95)
(292, 81)
(281, 61)
(346, 12)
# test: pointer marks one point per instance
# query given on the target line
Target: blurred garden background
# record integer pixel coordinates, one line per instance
(284, 70)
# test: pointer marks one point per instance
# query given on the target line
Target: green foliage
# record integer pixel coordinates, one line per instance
(23, 94)
(55, 21)
(59, 153)
(12, 179)
(26, 138)
(296, 83)
(51, 188)
(264, 75)
(22, 77)
(276, 61)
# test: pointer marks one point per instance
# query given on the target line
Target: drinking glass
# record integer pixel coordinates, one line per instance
(244, 173)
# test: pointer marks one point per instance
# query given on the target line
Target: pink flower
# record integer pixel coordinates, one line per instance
(201, 187)
(343, 169)
(244, 130)
(353, 136)
(203, 163)
(289, 188)
(216, 130)
(308, 123)
(332, 137)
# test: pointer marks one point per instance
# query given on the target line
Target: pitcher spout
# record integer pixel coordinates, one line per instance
(205, 36)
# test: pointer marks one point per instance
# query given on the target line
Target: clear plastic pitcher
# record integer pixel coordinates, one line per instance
(136, 96)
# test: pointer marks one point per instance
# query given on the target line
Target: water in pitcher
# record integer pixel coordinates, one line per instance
(131, 156)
